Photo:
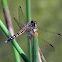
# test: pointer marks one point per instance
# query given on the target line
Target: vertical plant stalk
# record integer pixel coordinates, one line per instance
(36, 54)
(36, 50)
(28, 10)
(9, 26)
(14, 43)
(35, 47)
(28, 13)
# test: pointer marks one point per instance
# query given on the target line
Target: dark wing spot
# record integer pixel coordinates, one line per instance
(59, 34)
(19, 6)
(51, 45)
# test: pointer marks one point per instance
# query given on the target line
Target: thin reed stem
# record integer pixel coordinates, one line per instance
(35, 48)
(28, 12)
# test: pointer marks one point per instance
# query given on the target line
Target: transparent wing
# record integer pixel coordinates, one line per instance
(18, 23)
(51, 32)
(21, 16)
(21, 21)
(49, 35)
(49, 40)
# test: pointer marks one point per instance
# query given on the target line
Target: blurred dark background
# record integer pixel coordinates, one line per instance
(48, 14)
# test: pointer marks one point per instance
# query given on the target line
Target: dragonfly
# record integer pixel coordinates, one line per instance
(30, 26)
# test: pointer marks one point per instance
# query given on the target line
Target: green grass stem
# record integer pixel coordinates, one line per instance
(4, 3)
(35, 49)
(28, 12)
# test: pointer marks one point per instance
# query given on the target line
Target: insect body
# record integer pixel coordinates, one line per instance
(25, 28)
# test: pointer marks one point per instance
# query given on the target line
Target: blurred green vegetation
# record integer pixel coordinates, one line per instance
(48, 14)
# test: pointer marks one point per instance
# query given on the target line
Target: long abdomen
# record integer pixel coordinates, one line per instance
(16, 35)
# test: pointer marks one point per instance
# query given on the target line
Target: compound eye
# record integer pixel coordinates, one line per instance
(32, 21)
